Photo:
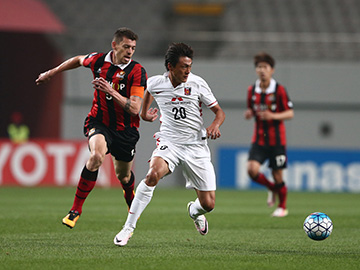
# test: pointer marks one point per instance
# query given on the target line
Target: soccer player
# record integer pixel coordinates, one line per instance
(269, 103)
(182, 139)
(112, 123)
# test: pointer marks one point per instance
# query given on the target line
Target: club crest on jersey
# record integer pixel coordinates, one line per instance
(187, 91)
(121, 75)
(271, 97)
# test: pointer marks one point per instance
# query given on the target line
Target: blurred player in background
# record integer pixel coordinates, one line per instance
(269, 103)
(112, 123)
(181, 139)
(18, 131)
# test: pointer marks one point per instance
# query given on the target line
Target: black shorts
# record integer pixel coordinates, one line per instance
(275, 154)
(120, 144)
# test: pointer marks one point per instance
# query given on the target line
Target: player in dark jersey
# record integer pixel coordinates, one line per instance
(269, 103)
(112, 123)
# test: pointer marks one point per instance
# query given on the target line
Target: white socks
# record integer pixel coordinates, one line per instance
(142, 198)
(196, 209)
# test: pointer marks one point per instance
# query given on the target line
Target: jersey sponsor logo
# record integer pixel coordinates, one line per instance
(117, 86)
(187, 91)
(176, 101)
(176, 98)
(261, 107)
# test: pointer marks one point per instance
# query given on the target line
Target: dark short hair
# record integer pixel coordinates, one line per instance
(124, 32)
(264, 57)
(175, 51)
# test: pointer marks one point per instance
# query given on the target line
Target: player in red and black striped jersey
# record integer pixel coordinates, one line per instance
(112, 123)
(269, 103)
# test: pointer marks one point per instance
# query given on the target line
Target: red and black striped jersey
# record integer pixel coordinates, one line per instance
(122, 78)
(275, 99)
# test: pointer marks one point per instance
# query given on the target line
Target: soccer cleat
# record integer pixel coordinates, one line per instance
(71, 219)
(280, 212)
(271, 199)
(200, 222)
(123, 236)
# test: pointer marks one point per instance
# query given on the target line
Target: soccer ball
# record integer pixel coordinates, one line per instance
(318, 226)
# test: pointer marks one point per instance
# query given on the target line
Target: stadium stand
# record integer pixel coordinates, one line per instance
(233, 29)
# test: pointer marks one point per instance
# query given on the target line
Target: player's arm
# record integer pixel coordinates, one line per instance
(248, 114)
(213, 131)
(131, 105)
(71, 63)
(268, 115)
(147, 113)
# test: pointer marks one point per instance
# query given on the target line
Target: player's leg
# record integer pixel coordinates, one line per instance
(278, 162)
(204, 203)
(253, 168)
(281, 189)
(98, 149)
(126, 177)
(200, 174)
(144, 192)
(257, 156)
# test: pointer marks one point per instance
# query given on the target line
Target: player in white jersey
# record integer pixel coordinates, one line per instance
(181, 139)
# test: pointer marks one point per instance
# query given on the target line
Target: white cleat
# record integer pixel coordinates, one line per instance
(280, 212)
(200, 222)
(271, 199)
(123, 236)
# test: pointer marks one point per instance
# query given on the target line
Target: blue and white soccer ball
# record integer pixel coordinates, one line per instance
(318, 226)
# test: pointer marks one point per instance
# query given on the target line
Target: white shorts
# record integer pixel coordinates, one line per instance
(198, 170)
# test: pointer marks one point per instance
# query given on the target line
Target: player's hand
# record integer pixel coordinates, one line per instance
(43, 78)
(102, 85)
(213, 132)
(265, 115)
(151, 115)
(248, 114)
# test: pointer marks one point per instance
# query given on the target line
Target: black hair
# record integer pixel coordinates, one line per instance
(175, 51)
(124, 32)
(264, 57)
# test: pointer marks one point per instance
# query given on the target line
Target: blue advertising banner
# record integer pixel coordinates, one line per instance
(308, 169)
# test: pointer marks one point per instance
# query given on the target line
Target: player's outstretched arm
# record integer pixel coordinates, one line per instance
(71, 63)
(213, 131)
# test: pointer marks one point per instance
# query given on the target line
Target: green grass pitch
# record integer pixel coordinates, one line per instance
(242, 235)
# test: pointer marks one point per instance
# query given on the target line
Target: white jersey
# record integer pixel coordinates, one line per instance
(180, 108)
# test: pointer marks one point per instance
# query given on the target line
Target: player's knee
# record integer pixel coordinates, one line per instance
(95, 161)
(252, 172)
(122, 177)
(152, 178)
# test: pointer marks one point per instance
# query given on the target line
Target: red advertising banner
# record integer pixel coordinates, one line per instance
(49, 163)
